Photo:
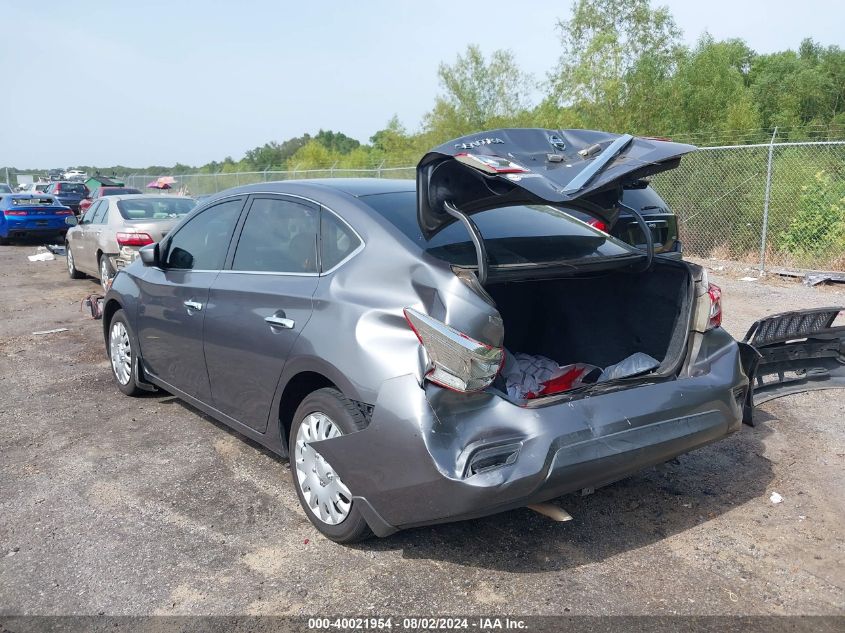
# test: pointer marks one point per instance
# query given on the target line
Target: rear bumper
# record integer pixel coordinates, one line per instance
(20, 232)
(414, 464)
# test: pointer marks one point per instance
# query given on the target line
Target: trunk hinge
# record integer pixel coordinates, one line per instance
(646, 229)
(475, 236)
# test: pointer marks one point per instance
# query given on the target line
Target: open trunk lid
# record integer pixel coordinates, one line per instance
(799, 351)
(582, 168)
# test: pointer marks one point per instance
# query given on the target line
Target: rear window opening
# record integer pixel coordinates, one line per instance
(513, 236)
(161, 209)
(69, 187)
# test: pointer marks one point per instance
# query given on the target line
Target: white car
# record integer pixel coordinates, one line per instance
(75, 175)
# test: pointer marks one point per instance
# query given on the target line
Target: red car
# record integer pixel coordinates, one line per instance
(102, 192)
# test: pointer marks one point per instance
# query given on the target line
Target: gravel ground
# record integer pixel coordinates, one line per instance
(145, 506)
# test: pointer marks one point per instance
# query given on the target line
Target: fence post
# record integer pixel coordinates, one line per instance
(378, 169)
(766, 204)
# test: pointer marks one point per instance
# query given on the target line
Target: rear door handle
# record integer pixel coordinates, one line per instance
(276, 321)
(193, 305)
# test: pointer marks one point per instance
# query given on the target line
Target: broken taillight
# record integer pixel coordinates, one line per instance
(715, 294)
(491, 164)
(457, 361)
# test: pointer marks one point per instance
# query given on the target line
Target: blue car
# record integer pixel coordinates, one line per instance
(32, 215)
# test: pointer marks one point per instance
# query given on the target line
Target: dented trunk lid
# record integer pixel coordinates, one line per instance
(579, 168)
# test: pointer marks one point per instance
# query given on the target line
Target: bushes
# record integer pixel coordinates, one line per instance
(817, 230)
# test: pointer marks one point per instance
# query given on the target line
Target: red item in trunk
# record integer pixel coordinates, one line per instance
(561, 383)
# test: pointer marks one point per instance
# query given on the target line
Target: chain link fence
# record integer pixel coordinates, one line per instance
(773, 205)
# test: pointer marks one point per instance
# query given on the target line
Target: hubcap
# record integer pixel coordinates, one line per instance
(326, 496)
(121, 353)
(69, 260)
(104, 272)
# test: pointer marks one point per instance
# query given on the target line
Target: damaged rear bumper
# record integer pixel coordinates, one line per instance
(432, 456)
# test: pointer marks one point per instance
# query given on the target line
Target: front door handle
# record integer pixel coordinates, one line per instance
(193, 305)
(280, 322)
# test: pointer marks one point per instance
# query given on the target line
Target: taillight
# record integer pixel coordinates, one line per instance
(134, 239)
(601, 226)
(491, 164)
(715, 294)
(64, 212)
(7, 212)
(457, 361)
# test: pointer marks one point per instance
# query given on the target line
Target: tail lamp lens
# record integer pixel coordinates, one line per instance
(715, 294)
(134, 239)
(457, 361)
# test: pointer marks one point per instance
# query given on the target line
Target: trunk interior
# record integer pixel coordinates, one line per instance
(599, 319)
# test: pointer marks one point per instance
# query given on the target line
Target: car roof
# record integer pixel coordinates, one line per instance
(147, 196)
(356, 187)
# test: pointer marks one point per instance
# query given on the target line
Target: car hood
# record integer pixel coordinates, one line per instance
(582, 168)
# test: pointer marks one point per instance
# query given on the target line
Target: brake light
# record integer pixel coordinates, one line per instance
(457, 361)
(7, 212)
(491, 164)
(715, 294)
(134, 239)
(64, 212)
(598, 224)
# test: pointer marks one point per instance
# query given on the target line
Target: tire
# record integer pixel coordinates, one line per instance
(106, 270)
(121, 339)
(72, 272)
(336, 523)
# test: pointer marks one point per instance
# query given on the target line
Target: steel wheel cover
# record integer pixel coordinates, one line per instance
(120, 351)
(326, 496)
(104, 272)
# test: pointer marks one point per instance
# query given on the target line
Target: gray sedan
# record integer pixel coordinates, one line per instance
(113, 228)
(446, 349)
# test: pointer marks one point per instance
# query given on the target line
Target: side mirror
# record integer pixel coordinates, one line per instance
(71, 220)
(149, 254)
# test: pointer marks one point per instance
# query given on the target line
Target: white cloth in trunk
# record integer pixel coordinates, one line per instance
(525, 373)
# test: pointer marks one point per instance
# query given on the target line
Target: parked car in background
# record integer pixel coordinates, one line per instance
(113, 229)
(34, 187)
(5, 188)
(375, 331)
(102, 192)
(75, 175)
(69, 194)
(26, 215)
(660, 219)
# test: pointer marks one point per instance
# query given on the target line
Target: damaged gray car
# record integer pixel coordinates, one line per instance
(443, 349)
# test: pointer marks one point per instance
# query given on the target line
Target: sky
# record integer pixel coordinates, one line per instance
(137, 84)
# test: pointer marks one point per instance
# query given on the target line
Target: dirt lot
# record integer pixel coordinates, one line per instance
(145, 506)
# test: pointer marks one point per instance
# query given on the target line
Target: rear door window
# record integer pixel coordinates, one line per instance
(202, 242)
(337, 241)
(101, 212)
(279, 236)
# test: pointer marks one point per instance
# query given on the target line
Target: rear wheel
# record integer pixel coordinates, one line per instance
(106, 271)
(123, 355)
(72, 272)
(327, 501)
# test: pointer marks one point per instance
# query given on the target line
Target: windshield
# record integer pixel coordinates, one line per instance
(157, 209)
(533, 234)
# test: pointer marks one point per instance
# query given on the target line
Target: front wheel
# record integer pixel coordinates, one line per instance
(327, 501)
(123, 355)
(72, 272)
